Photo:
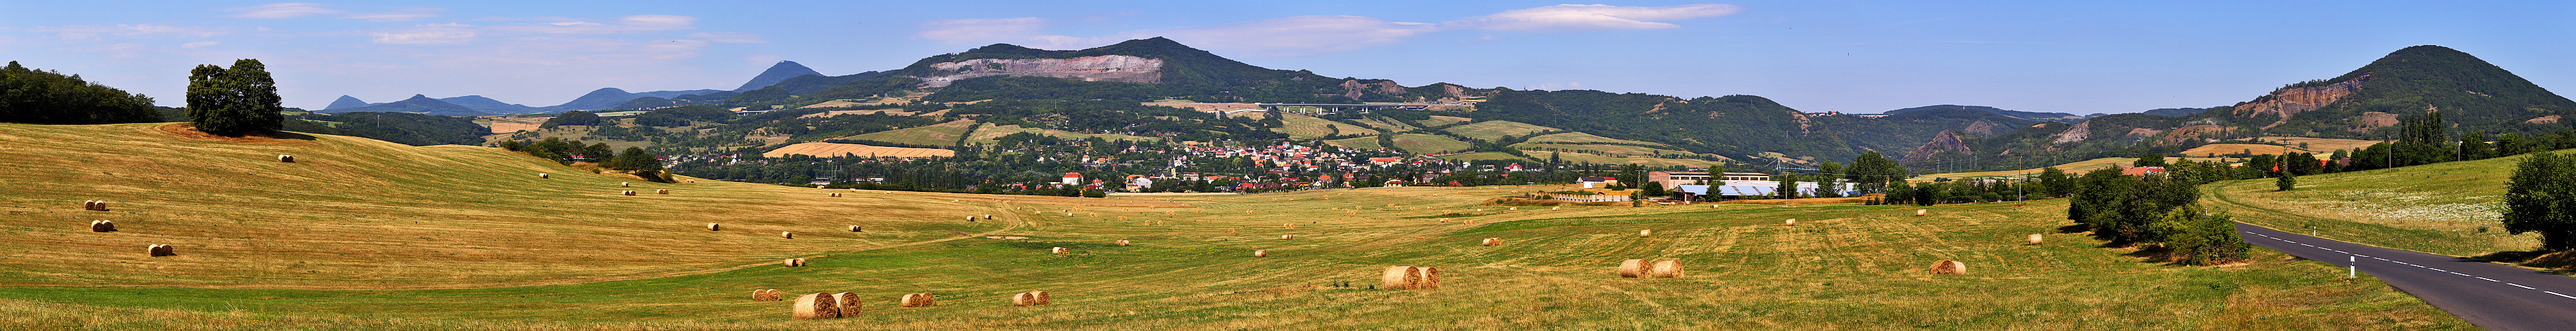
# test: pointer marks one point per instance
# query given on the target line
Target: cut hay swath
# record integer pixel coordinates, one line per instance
(715, 227)
(1493, 242)
(628, 193)
(1120, 242)
(102, 226)
(764, 295)
(286, 158)
(1059, 250)
(1791, 222)
(1948, 267)
(2035, 238)
(1665, 269)
(1400, 277)
(849, 304)
(1647, 233)
(1632, 268)
(1260, 253)
(158, 250)
(787, 234)
(855, 228)
(816, 306)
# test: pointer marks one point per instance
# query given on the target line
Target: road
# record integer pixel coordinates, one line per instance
(2491, 296)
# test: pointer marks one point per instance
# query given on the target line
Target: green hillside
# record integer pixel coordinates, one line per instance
(2437, 208)
(2477, 95)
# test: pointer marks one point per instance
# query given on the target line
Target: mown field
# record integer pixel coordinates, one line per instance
(1841, 267)
(942, 134)
(2449, 208)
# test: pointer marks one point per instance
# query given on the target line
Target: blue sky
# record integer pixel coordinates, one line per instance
(1853, 56)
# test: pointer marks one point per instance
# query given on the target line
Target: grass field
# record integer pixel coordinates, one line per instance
(1438, 120)
(2071, 168)
(2221, 149)
(1309, 127)
(1842, 267)
(942, 134)
(1360, 142)
(987, 133)
(1428, 143)
(1579, 138)
(1617, 150)
(1495, 130)
(2435, 208)
(2322, 145)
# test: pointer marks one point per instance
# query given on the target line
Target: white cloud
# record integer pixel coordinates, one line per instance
(980, 29)
(200, 44)
(405, 15)
(637, 23)
(1553, 86)
(1591, 17)
(729, 37)
(283, 10)
(86, 32)
(429, 34)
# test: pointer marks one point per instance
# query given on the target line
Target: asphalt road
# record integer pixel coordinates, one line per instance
(2491, 296)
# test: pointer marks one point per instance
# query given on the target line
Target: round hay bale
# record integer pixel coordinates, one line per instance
(970, 218)
(1632, 268)
(1553, 208)
(1260, 253)
(1429, 278)
(1024, 299)
(623, 184)
(1059, 250)
(855, 228)
(1948, 267)
(628, 193)
(816, 306)
(544, 175)
(1444, 220)
(1120, 242)
(1122, 218)
(1288, 226)
(661, 191)
(1791, 222)
(836, 194)
(1043, 297)
(764, 295)
(1467, 222)
(988, 216)
(2035, 238)
(286, 158)
(1922, 212)
(97, 205)
(715, 227)
(1287, 237)
(1665, 269)
(795, 262)
(920, 300)
(1647, 233)
(102, 226)
(1516, 208)
(1399, 277)
(849, 304)
(158, 250)
(1493, 242)
(787, 234)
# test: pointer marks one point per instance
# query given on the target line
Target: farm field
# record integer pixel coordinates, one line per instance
(2435, 208)
(2260, 149)
(2071, 168)
(2322, 145)
(1579, 138)
(987, 133)
(823, 149)
(1309, 127)
(536, 253)
(1439, 120)
(1619, 150)
(1495, 130)
(1427, 143)
(1360, 143)
(942, 134)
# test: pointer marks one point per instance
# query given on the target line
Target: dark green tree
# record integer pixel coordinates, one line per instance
(1875, 173)
(2541, 197)
(2198, 237)
(2055, 183)
(2286, 182)
(2149, 160)
(238, 101)
(2473, 146)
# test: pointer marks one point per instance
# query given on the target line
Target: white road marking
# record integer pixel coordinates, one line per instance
(2462, 274)
(2437, 269)
(2491, 280)
(2520, 285)
(2559, 295)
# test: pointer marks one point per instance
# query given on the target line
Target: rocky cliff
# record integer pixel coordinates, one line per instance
(1946, 141)
(1108, 68)
(2290, 101)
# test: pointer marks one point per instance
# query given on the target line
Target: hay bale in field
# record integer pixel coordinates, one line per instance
(1948, 267)
(1665, 269)
(661, 191)
(1553, 208)
(1791, 222)
(816, 306)
(1632, 268)
(1468, 222)
(1059, 250)
(1444, 220)
(787, 234)
(1287, 237)
(2035, 238)
(1024, 299)
(920, 300)
(988, 216)
(1122, 218)
(102, 226)
(624, 184)
(544, 175)
(628, 193)
(1120, 242)
(764, 295)
(1288, 226)
(849, 304)
(1921, 212)
(1400, 277)
(1260, 253)
(158, 250)
(1516, 208)
(1043, 297)
(1647, 233)
(855, 228)
(286, 158)
(1493, 242)
(970, 218)
(794, 262)
(715, 227)
(97, 205)
(1429, 280)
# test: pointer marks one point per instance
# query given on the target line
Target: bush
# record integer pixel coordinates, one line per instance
(2198, 238)
(2286, 182)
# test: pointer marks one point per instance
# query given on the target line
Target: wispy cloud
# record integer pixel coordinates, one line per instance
(406, 14)
(200, 44)
(87, 32)
(1591, 17)
(429, 34)
(980, 29)
(637, 23)
(282, 10)
(729, 37)
(1311, 35)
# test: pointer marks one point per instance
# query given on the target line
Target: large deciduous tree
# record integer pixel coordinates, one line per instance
(2541, 197)
(235, 101)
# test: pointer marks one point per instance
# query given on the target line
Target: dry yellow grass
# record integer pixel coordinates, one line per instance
(824, 149)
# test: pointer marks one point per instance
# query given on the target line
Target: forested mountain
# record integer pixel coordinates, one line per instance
(346, 101)
(611, 97)
(2035, 116)
(417, 104)
(2471, 93)
(1895, 134)
(487, 105)
(776, 73)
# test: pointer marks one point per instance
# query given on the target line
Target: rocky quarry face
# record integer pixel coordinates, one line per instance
(1945, 141)
(1104, 68)
(2075, 133)
(2290, 101)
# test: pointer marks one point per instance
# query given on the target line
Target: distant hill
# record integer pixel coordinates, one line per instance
(2035, 116)
(488, 105)
(2175, 112)
(346, 101)
(611, 97)
(776, 73)
(417, 104)
(2471, 93)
